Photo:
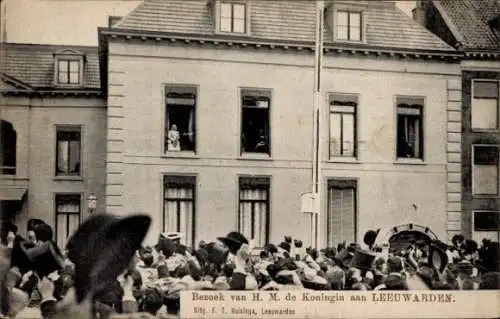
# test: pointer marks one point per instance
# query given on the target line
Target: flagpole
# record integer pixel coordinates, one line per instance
(317, 124)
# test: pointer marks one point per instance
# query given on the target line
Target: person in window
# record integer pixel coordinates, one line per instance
(261, 146)
(173, 139)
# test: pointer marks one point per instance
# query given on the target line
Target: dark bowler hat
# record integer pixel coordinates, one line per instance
(363, 259)
(103, 247)
(233, 241)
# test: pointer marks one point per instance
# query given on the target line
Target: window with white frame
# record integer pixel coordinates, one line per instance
(348, 25)
(233, 17)
(68, 71)
(484, 104)
(179, 207)
(68, 151)
(68, 209)
(180, 123)
(410, 128)
(254, 210)
(485, 169)
(343, 125)
(341, 218)
(486, 225)
(255, 121)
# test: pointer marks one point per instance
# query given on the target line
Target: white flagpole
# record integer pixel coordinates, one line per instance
(317, 127)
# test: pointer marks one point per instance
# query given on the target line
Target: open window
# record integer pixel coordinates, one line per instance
(410, 128)
(180, 124)
(255, 122)
(8, 140)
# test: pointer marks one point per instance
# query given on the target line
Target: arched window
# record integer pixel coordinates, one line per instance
(8, 140)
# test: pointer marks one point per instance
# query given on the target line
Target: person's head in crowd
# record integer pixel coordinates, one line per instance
(457, 240)
(150, 301)
(395, 264)
(394, 281)
(30, 228)
(313, 253)
(43, 233)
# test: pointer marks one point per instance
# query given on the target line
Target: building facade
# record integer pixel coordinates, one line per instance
(473, 27)
(53, 128)
(209, 122)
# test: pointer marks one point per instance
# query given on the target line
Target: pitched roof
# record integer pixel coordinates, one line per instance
(468, 20)
(386, 25)
(32, 65)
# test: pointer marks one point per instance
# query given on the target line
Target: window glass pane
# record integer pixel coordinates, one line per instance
(483, 89)
(485, 179)
(170, 216)
(342, 33)
(341, 215)
(487, 221)
(354, 33)
(63, 65)
(245, 219)
(255, 130)
(239, 11)
(225, 24)
(225, 10)
(484, 114)
(408, 110)
(355, 20)
(61, 223)
(179, 193)
(74, 156)
(74, 66)
(253, 194)
(62, 77)
(239, 25)
(409, 139)
(348, 135)
(335, 131)
(62, 156)
(74, 78)
(342, 18)
(487, 155)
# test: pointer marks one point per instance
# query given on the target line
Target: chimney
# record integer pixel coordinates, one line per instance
(419, 13)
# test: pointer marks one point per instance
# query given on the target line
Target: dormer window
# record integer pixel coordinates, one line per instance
(231, 16)
(68, 68)
(346, 21)
(348, 25)
(68, 71)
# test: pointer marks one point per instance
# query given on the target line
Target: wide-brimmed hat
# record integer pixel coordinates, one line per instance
(233, 241)
(103, 247)
(437, 255)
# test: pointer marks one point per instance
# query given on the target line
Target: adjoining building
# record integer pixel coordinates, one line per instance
(203, 118)
(53, 134)
(473, 27)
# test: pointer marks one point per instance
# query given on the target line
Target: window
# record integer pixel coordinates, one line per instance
(255, 128)
(348, 25)
(68, 208)
(180, 130)
(68, 71)
(341, 212)
(179, 207)
(486, 225)
(253, 217)
(8, 140)
(485, 170)
(68, 151)
(233, 17)
(410, 134)
(484, 105)
(343, 126)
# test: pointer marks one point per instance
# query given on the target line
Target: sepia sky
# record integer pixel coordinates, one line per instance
(72, 22)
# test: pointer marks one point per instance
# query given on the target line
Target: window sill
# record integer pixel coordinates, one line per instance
(244, 34)
(68, 178)
(346, 160)
(409, 161)
(485, 196)
(479, 130)
(180, 154)
(255, 156)
(335, 40)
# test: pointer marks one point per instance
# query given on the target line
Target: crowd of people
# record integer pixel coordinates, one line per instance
(104, 269)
